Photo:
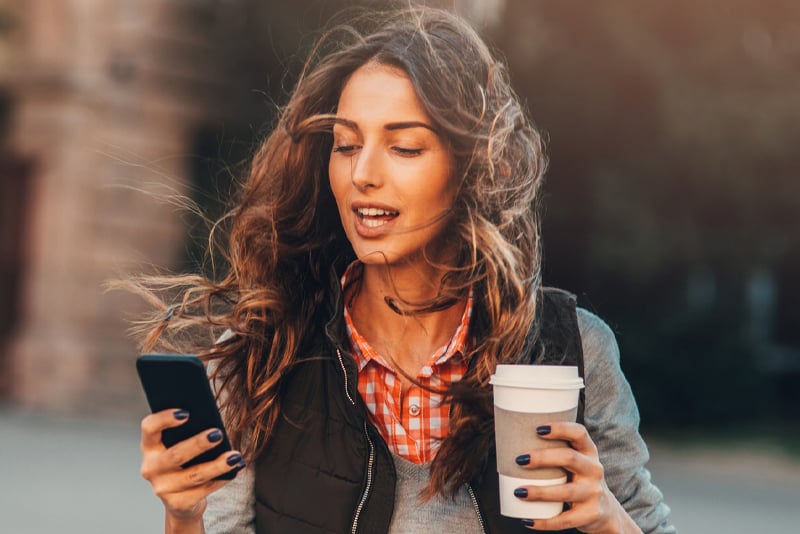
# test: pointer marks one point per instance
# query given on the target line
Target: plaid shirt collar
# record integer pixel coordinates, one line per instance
(364, 353)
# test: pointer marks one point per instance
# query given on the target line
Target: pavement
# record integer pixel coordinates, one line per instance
(73, 476)
(741, 489)
(82, 476)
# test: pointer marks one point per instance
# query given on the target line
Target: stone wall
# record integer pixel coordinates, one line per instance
(105, 97)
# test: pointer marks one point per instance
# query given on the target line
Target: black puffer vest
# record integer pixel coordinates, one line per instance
(326, 468)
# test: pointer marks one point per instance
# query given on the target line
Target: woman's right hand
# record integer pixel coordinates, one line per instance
(183, 491)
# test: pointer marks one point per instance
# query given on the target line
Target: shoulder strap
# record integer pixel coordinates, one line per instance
(556, 340)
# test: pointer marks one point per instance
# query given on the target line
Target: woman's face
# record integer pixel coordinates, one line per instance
(389, 170)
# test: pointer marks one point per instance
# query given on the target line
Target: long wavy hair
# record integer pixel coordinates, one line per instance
(286, 246)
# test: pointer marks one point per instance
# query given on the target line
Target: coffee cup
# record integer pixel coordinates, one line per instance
(525, 397)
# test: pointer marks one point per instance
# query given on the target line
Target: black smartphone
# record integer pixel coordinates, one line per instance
(180, 381)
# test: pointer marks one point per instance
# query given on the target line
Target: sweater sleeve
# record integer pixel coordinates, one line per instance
(231, 509)
(612, 419)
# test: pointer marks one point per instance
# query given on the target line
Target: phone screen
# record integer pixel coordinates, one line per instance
(180, 381)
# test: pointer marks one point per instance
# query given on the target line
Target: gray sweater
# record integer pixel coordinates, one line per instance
(611, 417)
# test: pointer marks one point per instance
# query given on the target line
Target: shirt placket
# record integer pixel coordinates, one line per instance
(413, 418)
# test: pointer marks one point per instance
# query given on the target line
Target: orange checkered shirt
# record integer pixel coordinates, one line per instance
(412, 425)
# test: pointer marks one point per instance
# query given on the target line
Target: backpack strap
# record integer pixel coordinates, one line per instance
(557, 338)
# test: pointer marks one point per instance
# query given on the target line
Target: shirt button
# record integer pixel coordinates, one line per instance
(413, 410)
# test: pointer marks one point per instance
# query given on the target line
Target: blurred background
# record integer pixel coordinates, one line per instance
(672, 203)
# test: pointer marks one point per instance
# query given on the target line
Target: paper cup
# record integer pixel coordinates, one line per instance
(525, 397)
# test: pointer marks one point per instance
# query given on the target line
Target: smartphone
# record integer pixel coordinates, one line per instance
(180, 381)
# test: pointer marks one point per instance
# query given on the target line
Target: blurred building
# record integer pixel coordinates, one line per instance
(100, 102)
(672, 177)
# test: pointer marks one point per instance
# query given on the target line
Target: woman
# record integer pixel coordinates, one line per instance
(385, 256)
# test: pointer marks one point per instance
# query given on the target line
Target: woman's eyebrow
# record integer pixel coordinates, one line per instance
(347, 123)
(403, 125)
(409, 124)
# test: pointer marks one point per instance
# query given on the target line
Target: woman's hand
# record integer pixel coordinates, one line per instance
(593, 508)
(183, 491)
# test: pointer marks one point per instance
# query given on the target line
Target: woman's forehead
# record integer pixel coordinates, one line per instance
(376, 90)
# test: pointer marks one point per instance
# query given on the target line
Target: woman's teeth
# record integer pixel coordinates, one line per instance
(375, 217)
(373, 223)
(375, 212)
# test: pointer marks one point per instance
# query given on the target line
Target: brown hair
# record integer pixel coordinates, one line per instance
(286, 245)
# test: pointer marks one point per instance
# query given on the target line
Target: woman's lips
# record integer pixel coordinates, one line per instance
(372, 221)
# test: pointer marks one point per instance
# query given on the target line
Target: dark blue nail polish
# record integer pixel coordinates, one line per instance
(234, 459)
(180, 415)
(523, 459)
(543, 430)
(521, 493)
(527, 522)
(214, 436)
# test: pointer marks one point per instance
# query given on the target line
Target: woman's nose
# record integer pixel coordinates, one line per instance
(367, 170)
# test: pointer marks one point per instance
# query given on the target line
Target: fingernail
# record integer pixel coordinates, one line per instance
(234, 459)
(180, 415)
(543, 430)
(523, 459)
(521, 493)
(527, 522)
(214, 436)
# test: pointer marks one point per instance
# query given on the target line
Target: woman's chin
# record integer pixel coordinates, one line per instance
(377, 257)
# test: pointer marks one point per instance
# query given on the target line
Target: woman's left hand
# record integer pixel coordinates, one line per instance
(593, 508)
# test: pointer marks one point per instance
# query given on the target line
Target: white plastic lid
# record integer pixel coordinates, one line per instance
(537, 376)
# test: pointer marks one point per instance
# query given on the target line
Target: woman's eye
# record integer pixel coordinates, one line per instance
(344, 149)
(408, 151)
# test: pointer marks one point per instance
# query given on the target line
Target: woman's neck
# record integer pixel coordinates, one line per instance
(404, 340)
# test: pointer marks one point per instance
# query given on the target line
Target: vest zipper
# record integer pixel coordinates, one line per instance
(477, 508)
(369, 481)
(370, 462)
(344, 372)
